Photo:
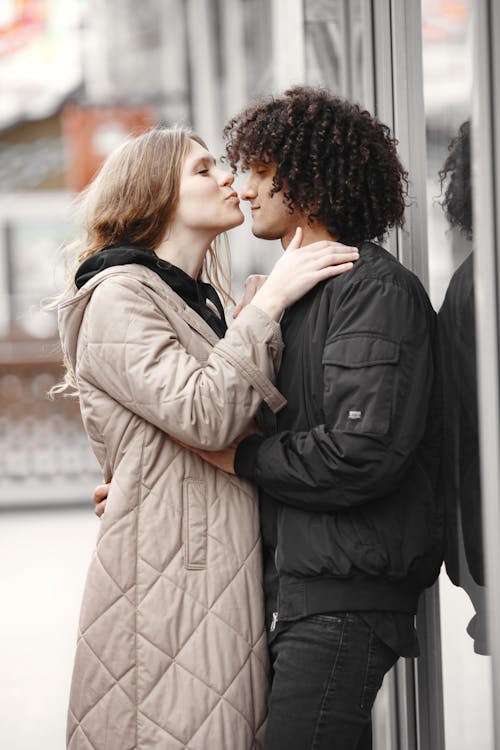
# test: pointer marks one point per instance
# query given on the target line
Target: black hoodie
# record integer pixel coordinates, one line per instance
(194, 292)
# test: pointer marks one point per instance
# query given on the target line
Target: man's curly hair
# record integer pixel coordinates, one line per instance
(336, 163)
(457, 201)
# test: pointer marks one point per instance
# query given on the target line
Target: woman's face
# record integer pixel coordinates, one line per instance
(207, 201)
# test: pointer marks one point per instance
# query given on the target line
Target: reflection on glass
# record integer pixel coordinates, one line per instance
(461, 482)
(447, 94)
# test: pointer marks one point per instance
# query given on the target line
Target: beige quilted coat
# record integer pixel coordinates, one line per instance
(171, 647)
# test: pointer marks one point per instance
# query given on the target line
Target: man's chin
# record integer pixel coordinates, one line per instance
(264, 233)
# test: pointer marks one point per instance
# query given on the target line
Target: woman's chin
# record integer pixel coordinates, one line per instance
(238, 219)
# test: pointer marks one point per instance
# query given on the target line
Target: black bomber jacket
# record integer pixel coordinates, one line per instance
(347, 471)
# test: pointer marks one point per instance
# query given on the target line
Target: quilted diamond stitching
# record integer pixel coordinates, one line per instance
(79, 729)
(98, 617)
(116, 680)
(208, 612)
(162, 574)
(221, 696)
(169, 734)
(101, 697)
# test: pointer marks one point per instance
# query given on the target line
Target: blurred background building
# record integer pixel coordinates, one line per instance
(79, 76)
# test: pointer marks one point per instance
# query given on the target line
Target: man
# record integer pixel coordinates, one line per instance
(460, 479)
(346, 471)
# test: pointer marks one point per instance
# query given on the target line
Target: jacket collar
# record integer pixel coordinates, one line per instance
(151, 279)
(200, 296)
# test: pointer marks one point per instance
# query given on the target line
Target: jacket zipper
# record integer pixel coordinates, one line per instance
(275, 614)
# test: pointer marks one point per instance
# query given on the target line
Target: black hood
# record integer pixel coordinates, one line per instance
(195, 293)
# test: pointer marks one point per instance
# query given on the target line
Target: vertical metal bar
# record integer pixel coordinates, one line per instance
(345, 35)
(409, 128)
(384, 83)
(405, 695)
(368, 70)
(486, 206)
(175, 64)
(382, 56)
(288, 43)
(235, 62)
(204, 80)
(188, 67)
(428, 674)
(357, 30)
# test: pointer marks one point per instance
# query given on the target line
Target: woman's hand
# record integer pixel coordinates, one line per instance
(299, 269)
(99, 498)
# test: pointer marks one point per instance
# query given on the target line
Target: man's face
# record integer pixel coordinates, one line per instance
(271, 217)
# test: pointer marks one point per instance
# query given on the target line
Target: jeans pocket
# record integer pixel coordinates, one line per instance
(379, 661)
(332, 621)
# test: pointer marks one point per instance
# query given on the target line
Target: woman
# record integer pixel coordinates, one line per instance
(171, 650)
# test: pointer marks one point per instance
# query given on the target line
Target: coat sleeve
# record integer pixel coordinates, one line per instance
(130, 350)
(377, 377)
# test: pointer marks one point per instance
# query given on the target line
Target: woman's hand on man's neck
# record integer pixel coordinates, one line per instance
(310, 233)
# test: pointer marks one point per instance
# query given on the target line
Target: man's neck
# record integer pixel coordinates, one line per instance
(310, 233)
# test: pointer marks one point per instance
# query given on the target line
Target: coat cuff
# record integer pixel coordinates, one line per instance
(245, 459)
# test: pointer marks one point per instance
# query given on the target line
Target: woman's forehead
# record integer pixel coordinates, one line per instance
(197, 151)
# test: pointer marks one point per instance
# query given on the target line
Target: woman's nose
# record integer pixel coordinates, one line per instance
(226, 178)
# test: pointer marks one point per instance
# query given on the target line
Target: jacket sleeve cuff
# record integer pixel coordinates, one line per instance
(245, 460)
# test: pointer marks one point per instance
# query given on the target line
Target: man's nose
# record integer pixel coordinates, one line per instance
(248, 191)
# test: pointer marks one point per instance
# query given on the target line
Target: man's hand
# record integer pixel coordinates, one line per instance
(99, 498)
(252, 285)
(223, 459)
(220, 459)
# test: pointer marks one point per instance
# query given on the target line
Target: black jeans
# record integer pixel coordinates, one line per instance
(327, 672)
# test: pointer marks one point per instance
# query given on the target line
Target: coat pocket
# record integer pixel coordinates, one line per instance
(359, 382)
(195, 525)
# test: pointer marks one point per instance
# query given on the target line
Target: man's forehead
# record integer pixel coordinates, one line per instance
(262, 161)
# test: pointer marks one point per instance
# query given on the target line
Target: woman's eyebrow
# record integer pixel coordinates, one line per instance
(204, 160)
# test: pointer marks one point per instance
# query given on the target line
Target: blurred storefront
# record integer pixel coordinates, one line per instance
(76, 78)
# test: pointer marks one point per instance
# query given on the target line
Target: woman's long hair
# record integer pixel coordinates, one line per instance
(131, 201)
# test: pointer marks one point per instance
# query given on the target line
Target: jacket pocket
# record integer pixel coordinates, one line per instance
(359, 381)
(195, 525)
